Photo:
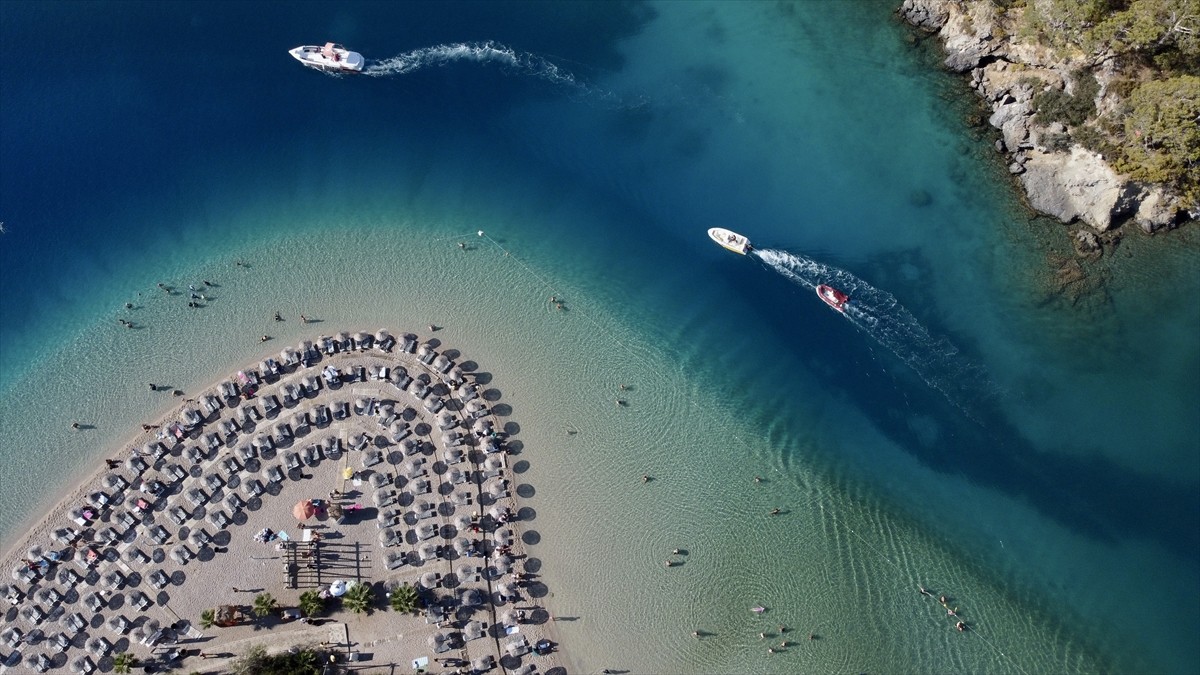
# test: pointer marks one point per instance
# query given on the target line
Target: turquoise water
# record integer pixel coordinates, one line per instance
(1048, 482)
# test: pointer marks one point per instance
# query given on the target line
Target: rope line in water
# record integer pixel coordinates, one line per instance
(817, 500)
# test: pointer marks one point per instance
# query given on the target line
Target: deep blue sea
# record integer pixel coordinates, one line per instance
(1041, 441)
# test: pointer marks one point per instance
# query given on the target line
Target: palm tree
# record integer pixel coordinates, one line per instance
(311, 603)
(405, 599)
(264, 604)
(123, 662)
(207, 618)
(359, 598)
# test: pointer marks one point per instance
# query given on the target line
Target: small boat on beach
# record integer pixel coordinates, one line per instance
(730, 240)
(332, 58)
(833, 297)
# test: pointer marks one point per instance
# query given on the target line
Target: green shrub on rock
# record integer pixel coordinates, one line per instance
(1162, 133)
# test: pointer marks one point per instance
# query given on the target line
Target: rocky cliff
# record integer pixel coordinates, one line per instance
(1063, 180)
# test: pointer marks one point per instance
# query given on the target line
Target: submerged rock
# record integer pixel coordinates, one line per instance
(1087, 244)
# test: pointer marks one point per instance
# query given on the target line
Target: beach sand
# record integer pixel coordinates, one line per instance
(234, 567)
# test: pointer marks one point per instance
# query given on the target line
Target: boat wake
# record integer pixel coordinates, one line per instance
(879, 314)
(507, 58)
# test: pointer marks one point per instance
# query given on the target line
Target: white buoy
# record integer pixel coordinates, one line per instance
(480, 233)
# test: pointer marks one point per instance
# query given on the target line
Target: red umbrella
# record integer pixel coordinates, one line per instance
(304, 510)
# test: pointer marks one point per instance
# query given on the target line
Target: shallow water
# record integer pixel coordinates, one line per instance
(812, 127)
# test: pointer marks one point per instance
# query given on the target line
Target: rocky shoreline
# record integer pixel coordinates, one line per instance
(1070, 183)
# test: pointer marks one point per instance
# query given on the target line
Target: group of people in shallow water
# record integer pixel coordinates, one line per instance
(945, 602)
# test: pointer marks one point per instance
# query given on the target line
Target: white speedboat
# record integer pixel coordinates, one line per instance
(729, 239)
(332, 58)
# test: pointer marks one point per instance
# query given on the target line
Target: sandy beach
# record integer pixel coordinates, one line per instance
(403, 448)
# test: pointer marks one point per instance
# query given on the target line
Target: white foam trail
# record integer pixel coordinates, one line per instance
(879, 314)
(479, 52)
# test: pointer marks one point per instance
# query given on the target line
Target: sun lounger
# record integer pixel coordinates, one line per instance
(214, 483)
(235, 502)
(159, 579)
(220, 519)
(230, 466)
(312, 455)
(253, 487)
(159, 535)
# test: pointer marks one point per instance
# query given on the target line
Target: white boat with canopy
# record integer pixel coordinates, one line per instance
(330, 58)
(729, 239)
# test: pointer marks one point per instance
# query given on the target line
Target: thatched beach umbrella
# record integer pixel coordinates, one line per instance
(379, 480)
(462, 545)
(439, 643)
(516, 647)
(509, 617)
(398, 431)
(473, 630)
(504, 537)
(429, 580)
(427, 531)
(414, 467)
(387, 518)
(483, 663)
(384, 498)
(428, 552)
(181, 554)
(462, 523)
(466, 573)
(118, 624)
(471, 597)
(387, 537)
(507, 589)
